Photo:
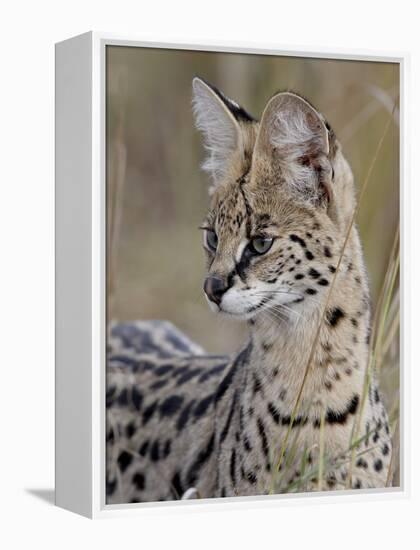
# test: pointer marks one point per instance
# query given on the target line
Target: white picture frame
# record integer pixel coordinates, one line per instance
(80, 274)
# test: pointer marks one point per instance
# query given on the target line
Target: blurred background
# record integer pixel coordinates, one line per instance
(157, 195)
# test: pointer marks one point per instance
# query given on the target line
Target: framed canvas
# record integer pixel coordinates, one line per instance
(268, 366)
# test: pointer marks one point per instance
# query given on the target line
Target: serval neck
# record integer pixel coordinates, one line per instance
(283, 347)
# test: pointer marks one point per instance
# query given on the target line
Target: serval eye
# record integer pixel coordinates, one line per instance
(260, 245)
(210, 239)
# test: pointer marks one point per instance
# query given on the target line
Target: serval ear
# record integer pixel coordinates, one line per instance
(219, 119)
(295, 138)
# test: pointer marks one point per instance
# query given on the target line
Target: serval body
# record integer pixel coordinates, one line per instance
(282, 199)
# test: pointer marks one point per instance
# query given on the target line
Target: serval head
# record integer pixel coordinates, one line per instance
(281, 198)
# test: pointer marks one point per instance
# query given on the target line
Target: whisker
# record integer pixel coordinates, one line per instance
(291, 293)
(284, 308)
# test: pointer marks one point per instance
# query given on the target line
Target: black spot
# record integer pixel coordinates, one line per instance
(298, 420)
(110, 437)
(143, 448)
(257, 385)
(274, 413)
(159, 384)
(111, 486)
(203, 405)
(263, 436)
(124, 460)
(188, 376)
(171, 405)
(378, 465)
(299, 276)
(123, 398)
(326, 346)
(148, 412)
(309, 255)
(354, 322)
(155, 451)
(332, 269)
(314, 273)
(225, 430)
(167, 449)
(251, 477)
(227, 380)
(311, 291)
(247, 444)
(176, 486)
(298, 240)
(327, 252)
(164, 369)
(232, 467)
(361, 463)
(208, 373)
(331, 482)
(336, 417)
(179, 371)
(334, 316)
(266, 346)
(323, 282)
(139, 481)
(130, 429)
(137, 398)
(376, 395)
(385, 449)
(202, 458)
(357, 484)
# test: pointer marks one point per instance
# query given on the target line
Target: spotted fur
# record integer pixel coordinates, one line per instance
(180, 421)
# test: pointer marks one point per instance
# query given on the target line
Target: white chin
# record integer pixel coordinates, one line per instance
(231, 309)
